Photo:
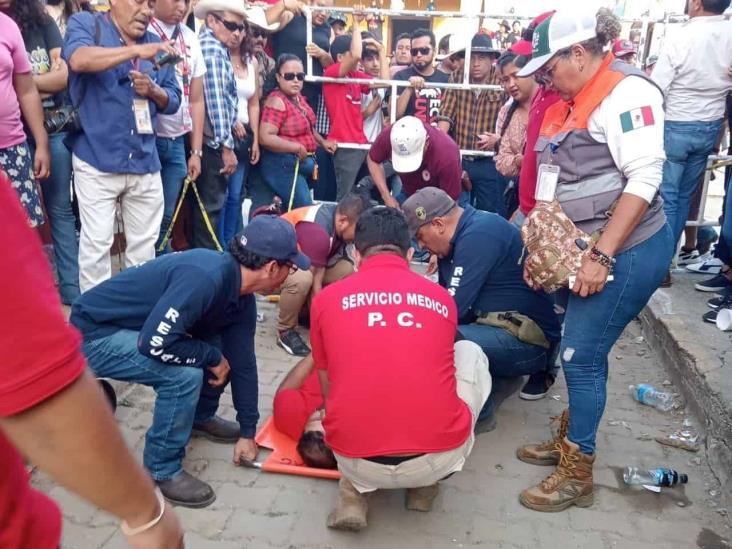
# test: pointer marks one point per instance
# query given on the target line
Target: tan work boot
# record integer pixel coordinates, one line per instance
(421, 499)
(546, 453)
(351, 508)
(570, 484)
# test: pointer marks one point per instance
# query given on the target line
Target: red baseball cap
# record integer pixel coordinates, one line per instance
(522, 47)
(623, 47)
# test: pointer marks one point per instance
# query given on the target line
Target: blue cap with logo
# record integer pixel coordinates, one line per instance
(272, 237)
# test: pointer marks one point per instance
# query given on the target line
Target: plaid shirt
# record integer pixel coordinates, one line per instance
(219, 91)
(322, 126)
(291, 123)
(469, 114)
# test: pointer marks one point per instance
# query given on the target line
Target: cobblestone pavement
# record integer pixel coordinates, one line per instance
(478, 507)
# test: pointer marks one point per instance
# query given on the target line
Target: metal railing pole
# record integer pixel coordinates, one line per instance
(308, 40)
(393, 103)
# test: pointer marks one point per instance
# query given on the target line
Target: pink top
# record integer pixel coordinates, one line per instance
(13, 60)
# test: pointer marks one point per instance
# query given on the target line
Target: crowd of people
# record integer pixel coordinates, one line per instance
(588, 168)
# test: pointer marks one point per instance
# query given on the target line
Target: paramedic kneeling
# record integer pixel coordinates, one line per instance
(401, 398)
(479, 262)
(180, 324)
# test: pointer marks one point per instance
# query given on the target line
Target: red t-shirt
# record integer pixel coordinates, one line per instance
(293, 407)
(543, 99)
(343, 102)
(41, 356)
(385, 337)
(441, 166)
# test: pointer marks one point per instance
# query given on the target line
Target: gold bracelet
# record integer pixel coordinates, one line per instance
(127, 531)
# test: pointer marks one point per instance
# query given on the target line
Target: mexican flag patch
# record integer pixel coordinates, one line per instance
(637, 118)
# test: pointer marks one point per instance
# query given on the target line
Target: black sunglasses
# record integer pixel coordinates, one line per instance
(421, 51)
(289, 76)
(230, 25)
(257, 33)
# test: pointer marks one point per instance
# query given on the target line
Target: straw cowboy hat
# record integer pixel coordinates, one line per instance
(256, 15)
(204, 7)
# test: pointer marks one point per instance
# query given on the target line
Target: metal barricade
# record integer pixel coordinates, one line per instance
(713, 162)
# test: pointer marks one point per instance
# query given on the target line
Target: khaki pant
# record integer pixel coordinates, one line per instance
(296, 291)
(142, 212)
(473, 387)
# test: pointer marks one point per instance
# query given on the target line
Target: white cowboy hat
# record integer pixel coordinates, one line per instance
(204, 7)
(257, 16)
(455, 44)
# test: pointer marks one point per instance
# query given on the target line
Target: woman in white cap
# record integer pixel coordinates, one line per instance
(600, 154)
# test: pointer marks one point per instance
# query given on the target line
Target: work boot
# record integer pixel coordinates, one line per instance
(186, 490)
(421, 499)
(351, 508)
(546, 453)
(570, 484)
(217, 430)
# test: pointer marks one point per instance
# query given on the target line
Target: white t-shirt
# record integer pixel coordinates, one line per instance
(245, 88)
(630, 120)
(372, 125)
(692, 70)
(173, 125)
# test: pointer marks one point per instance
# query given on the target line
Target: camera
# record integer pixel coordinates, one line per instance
(65, 119)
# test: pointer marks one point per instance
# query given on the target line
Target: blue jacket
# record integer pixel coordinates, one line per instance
(188, 311)
(484, 272)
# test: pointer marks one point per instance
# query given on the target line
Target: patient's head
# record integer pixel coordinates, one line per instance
(315, 452)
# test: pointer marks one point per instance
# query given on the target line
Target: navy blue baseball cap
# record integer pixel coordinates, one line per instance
(272, 237)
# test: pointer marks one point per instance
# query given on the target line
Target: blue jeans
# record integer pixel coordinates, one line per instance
(57, 197)
(278, 170)
(230, 220)
(180, 399)
(593, 324)
(325, 188)
(488, 185)
(723, 251)
(687, 144)
(174, 169)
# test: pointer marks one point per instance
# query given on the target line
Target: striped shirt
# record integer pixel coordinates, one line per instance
(470, 113)
(219, 92)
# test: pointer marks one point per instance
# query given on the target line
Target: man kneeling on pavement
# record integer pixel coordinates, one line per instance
(401, 397)
(480, 265)
(180, 324)
(323, 231)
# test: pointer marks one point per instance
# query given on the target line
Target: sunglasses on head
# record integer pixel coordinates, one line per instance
(289, 76)
(258, 33)
(421, 51)
(230, 25)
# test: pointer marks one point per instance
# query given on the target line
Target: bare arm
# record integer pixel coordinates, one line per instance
(377, 173)
(372, 107)
(197, 112)
(55, 80)
(353, 56)
(403, 102)
(32, 110)
(73, 437)
(296, 377)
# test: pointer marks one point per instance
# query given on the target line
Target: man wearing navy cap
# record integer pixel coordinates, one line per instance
(182, 319)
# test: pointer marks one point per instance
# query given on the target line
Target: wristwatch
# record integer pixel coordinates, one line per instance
(197, 152)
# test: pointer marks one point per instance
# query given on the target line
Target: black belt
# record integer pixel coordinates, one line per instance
(391, 460)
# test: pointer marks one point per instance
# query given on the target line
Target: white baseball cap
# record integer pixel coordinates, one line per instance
(560, 31)
(408, 138)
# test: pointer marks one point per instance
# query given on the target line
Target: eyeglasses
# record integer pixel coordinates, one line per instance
(548, 74)
(420, 51)
(230, 25)
(290, 76)
(257, 33)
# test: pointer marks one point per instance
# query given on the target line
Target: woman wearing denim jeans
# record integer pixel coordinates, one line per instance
(287, 135)
(605, 136)
(246, 133)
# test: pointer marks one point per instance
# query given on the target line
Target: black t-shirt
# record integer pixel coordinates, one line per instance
(39, 41)
(425, 103)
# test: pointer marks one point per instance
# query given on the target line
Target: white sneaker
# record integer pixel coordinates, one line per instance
(709, 267)
(688, 258)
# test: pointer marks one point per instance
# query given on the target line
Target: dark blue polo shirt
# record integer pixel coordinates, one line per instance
(188, 311)
(484, 272)
(110, 141)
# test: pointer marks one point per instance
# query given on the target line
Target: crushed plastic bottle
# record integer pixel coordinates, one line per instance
(650, 396)
(686, 437)
(653, 477)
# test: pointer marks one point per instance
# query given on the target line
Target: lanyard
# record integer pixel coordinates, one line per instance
(183, 51)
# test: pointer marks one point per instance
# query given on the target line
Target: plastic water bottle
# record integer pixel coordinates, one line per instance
(650, 396)
(654, 477)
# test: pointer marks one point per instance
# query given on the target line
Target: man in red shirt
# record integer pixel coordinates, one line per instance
(401, 397)
(421, 155)
(343, 102)
(53, 412)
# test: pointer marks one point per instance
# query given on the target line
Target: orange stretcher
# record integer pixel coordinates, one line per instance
(284, 457)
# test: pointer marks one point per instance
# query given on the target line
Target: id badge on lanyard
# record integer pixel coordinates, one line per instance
(141, 108)
(547, 180)
(185, 107)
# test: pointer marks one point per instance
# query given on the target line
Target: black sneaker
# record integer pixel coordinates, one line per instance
(537, 386)
(717, 304)
(710, 317)
(721, 301)
(717, 284)
(291, 342)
